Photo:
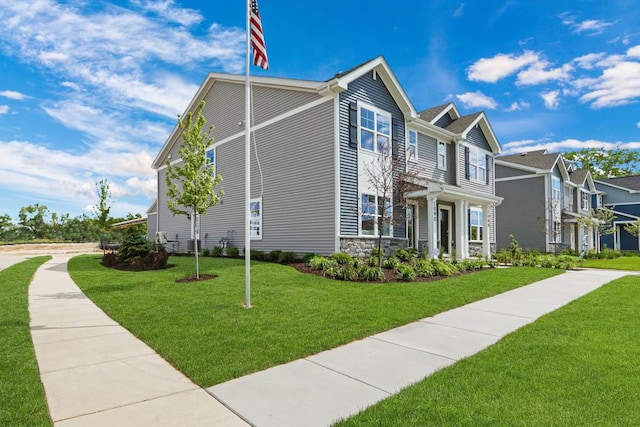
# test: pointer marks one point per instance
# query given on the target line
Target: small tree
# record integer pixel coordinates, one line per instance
(191, 186)
(103, 208)
(386, 178)
(633, 228)
(600, 220)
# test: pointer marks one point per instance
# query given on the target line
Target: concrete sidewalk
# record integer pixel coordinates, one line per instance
(338, 383)
(96, 373)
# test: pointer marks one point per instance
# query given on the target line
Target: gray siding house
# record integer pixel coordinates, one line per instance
(544, 197)
(622, 194)
(312, 142)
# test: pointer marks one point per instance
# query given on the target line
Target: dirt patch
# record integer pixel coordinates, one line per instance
(49, 248)
(191, 279)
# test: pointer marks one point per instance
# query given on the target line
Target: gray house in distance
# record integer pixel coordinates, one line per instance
(622, 194)
(311, 144)
(543, 199)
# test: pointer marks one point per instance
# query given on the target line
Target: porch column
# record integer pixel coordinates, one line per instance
(432, 226)
(461, 230)
(486, 233)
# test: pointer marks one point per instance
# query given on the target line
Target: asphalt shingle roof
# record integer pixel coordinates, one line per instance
(460, 125)
(578, 176)
(539, 159)
(431, 113)
(630, 182)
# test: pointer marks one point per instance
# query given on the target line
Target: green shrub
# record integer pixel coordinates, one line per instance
(342, 258)
(307, 257)
(425, 268)
(391, 263)
(322, 263)
(347, 272)
(406, 272)
(331, 271)
(257, 255)
(217, 251)
(206, 252)
(371, 273)
(403, 255)
(233, 252)
(442, 268)
(274, 256)
(133, 246)
(287, 257)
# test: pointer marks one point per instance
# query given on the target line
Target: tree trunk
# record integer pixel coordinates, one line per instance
(196, 232)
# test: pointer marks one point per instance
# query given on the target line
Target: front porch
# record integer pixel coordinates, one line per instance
(450, 219)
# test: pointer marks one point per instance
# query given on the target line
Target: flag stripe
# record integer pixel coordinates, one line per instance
(257, 38)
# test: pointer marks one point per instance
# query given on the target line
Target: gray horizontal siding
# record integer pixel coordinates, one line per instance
(476, 138)
(614, 195)
(375, 93)
(481, 187)
(507, 172)
(522, 213)
(444, 121)
(427, 164)
(225, 107)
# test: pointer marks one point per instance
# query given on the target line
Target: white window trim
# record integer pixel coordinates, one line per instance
(444, 166)
(584, 194)
(481, 154)
(258, 219)
(479, 227)
(375, 216)
(376, 110)
(556, 193)
(415, 158)
(212, 150)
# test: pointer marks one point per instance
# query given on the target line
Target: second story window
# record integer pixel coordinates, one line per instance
(412, 146)
(477, 165)
(375, 130)
(442, 156)
(556, 189)
(584, 200)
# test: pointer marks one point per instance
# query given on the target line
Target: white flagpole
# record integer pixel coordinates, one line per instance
(247, 165)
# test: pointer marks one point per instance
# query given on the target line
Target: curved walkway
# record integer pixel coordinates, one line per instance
(96, 373)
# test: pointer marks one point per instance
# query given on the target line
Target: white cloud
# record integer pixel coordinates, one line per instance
(71, 85)
(502, 65)
(551, 99)
(477, 100)
(117, 45)
(569, 144)
(590, 27)
(638, 124)
(4, 109)
(634, 52)
(12, 94)
(170, 12)
(518, 106)
(538, 73)
(618, 85)
(589, 61)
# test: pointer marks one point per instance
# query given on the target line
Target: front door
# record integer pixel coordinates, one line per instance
(444, 229)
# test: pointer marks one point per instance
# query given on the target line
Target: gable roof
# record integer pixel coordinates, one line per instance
(582, 176)
(539, 159)
(463, 123)
(433, 114)
(631, 183)
(340, 82)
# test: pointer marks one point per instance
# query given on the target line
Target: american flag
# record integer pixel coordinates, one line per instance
(257, 38)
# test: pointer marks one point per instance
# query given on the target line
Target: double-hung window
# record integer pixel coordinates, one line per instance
(373, 208)
(442, 156)
(556, 196)
(477, 165)
(585, 200)
(255, 222)
(211, 160)
(475, 224)
(375, 130)
(412, 146)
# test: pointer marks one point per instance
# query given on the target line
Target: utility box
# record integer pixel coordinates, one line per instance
(191, 245)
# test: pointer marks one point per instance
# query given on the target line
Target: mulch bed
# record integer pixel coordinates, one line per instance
(191, 279)
(389, 275)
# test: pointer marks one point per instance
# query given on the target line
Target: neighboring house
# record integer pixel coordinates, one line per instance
(623, 196)
(543, 201)
(311, 144)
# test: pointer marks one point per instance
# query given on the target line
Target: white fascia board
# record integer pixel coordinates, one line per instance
(625, 214)
(432, 130)
(450, 107)
(521, 167)
(486, 128)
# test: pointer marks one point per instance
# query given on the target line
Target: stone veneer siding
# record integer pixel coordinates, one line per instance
(475, 249)
(363, 246)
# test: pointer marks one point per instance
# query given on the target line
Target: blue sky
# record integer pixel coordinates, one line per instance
(91, 89)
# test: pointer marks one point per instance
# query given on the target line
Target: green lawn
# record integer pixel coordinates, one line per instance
(205, 332)
(578, 366)
(22, 398)
(631, 263)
